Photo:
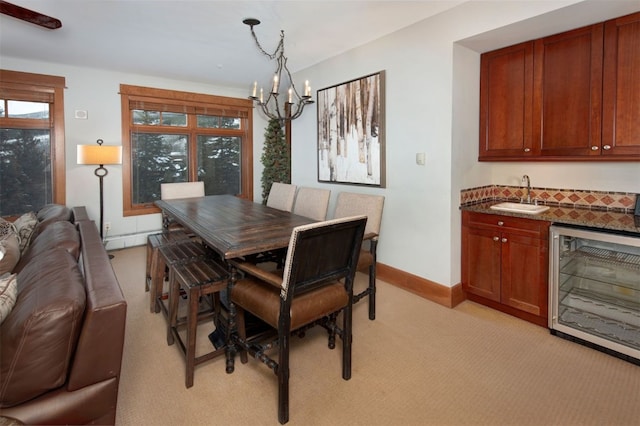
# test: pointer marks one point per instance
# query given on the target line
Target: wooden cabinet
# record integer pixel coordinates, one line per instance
(568, 88)
(621, 94)
(505, 264)
(570, 96)
(506, 90)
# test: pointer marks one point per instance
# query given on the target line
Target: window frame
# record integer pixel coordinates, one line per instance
(36, 87)
(136, 94)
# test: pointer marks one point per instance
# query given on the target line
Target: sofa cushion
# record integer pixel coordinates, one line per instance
(9, 253)
(25, 225)
(49, 214)
(59, 234)
(8, 293)
(39, 336)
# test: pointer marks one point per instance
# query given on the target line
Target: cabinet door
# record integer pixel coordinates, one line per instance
(481, 262)
(524, 269)
(568, 93)
(621, 95)
(506, 86)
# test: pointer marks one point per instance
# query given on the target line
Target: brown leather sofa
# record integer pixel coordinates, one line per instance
(61, 344)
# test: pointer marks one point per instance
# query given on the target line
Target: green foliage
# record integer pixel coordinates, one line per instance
(25, 170)
(275, 158)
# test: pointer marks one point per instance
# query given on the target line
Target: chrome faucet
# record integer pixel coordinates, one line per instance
(527, 181)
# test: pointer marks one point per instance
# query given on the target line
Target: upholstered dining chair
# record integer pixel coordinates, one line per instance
(315, 286)
(281, 196)
(312, 202)
(172, 191)
(350, 204)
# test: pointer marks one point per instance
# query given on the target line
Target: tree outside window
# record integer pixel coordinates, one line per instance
(32, 170)
(173, 136)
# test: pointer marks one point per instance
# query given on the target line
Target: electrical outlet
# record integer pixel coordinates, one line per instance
(107, 226)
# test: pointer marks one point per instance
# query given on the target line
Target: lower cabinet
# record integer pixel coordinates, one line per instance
(505, 264)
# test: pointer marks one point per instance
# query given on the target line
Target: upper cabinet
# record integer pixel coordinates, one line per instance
(506, 90)
(621, 84)
(570, 96)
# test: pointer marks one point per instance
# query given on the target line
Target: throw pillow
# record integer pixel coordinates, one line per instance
(10, 250)
(25, 225)
(8, 294)
(6, 228)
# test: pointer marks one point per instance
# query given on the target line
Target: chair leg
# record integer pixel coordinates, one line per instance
(192, 324)
(332, 330)
(347, 324)
(157, 281)
(174, 295)
(372, 291)
(283, 378)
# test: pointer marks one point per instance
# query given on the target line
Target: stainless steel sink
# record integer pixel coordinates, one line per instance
(520, 208)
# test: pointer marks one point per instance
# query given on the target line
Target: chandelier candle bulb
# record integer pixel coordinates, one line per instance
(307, 88)
(290, 95)
(275, 84)
(261, 96)
(255, 87)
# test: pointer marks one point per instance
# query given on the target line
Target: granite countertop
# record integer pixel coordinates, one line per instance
(605, 220)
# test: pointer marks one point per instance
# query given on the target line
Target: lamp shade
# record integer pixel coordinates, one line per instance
(99, 154)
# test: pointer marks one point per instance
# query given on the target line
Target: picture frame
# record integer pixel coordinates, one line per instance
(351, 132)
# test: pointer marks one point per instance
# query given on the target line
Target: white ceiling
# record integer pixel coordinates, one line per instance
(204, 41)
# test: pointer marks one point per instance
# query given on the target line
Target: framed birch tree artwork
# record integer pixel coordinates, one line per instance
(351, 132)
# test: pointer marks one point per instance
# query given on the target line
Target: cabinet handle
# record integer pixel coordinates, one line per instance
(500, 223)
(607, 147)
(495, 238)
(527, 149)
(594, 148)
(504, 240)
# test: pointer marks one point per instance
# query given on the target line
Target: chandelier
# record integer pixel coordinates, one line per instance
(291, 107)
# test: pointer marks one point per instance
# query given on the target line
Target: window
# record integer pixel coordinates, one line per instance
(171, 136)
(32, 168)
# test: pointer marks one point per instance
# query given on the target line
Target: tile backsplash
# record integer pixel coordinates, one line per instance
(620, 202)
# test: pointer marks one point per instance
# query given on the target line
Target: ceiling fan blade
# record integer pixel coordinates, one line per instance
(29, 15)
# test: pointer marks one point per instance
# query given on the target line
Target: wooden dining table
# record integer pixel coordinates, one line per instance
(232, 226)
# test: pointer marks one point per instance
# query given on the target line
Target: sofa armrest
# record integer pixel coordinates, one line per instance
(100, 344)
(80, 214)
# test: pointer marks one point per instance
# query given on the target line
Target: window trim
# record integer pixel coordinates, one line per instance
(130, 93)
(52, 86)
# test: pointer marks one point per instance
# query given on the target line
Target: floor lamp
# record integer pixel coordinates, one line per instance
(100, 155)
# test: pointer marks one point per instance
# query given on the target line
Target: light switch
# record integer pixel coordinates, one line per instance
(420, 158)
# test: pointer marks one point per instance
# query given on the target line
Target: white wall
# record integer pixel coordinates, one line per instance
(432, 107)
(96, 91)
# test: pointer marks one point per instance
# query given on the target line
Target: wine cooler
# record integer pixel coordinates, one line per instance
(594, 289)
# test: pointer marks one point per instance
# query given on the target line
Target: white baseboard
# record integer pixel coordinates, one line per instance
(116, 242)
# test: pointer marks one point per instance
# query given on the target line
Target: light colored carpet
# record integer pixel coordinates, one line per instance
(418, 363)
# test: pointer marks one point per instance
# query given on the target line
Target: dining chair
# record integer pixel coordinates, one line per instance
(350, 204)
(281, 196)
(314, 287)
(173, 233)
(312, 202)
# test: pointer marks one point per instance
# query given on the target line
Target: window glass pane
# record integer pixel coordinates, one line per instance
(2, 107)
(219, 164)
(156, 159)
(174, 119)
(214, 122)
(25, 170)
(150, 118)
(24, 109)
